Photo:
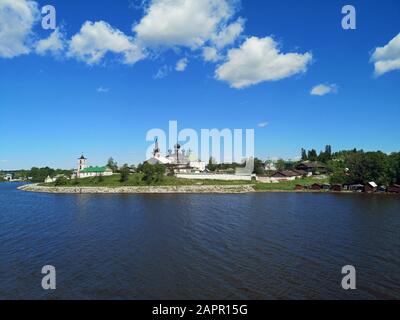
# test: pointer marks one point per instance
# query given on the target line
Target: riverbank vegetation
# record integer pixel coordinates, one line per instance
(138, 179)
(36, 174)
(146, 179)
(356, 166)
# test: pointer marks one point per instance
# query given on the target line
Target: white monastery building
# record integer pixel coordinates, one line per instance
(84, 171)
(179, 160)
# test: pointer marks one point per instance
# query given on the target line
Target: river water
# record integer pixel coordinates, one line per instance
(248, 246)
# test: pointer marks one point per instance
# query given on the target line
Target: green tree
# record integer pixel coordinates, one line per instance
(326, 155)
(304, 155)
(125, 171)
(112, 164)
(40, 174)
(76, 181)
(369, 166)
(212, 166)
(259, 166)
(338, 172)
(139, 167)
(153, 174)
(280, 165)
(61, 181)
(312, 155)
(394, 167)
(328, 151)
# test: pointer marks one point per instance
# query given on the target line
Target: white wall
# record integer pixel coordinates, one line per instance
(94, 174)
(203, 176)
(198, 165)
(275, 180)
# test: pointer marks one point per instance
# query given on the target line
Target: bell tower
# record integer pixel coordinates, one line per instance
(82, 164)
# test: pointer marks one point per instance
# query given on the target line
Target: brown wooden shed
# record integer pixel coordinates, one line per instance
(370, 187)
(316, 186)
(337, 188)
(394, 188)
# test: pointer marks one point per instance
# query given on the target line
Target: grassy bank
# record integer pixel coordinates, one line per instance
(135, 180)
(287, 185)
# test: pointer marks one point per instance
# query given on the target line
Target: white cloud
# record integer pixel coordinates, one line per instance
(387, 58)
(95, 40)
(103, 90)
(189, 23)
(181, 65)
(258, 60)
(263, 124)
(3, 161)
(323, 89)
(17, 18)
(211, 54)
(209, 26)
(54, 44)
(229, 34)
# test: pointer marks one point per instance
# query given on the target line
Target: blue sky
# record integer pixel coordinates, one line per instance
(66, 96)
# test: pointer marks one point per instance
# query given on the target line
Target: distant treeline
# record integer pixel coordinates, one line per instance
(356, 166)
(323, 156)
(39, 174)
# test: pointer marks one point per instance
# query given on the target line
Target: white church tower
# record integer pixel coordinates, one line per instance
(82, 164)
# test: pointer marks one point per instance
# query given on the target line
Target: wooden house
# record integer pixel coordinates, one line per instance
(394, 188)
(370, 187)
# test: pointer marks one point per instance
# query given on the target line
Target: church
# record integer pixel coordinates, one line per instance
(177, 161)
(84, 171)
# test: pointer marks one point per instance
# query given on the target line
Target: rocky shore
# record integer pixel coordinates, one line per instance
(141, 189)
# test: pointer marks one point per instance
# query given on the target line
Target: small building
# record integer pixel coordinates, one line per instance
(312, 167)
(300, 187)
(394, 188)
(370, 187)
(8, 177)
(382, 188)
(285, 175)
(302, 173)
(270, 166)
(337, 188)
(316, 187)
(54, 179)
(95, 172)
(84, 171)
(326, 186)
(356, 187)
(49, 180)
